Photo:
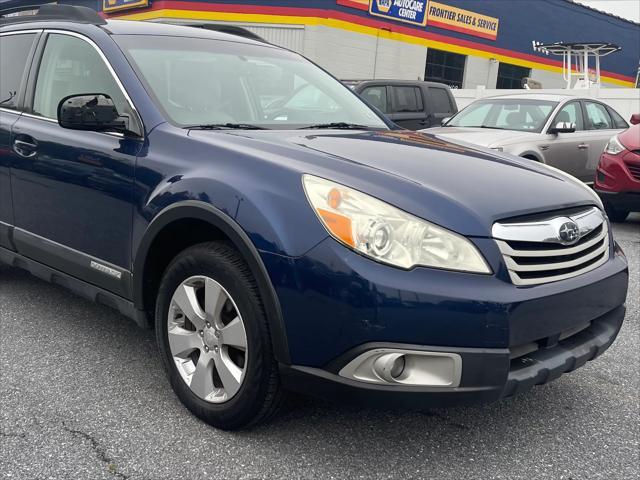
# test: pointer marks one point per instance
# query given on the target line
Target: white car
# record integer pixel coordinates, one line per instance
(563, 131)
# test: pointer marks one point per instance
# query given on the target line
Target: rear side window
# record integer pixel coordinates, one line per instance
(407, 99)
(597, 117)
(376, 96)
(440, 101)
(14, 52)
(618, 121)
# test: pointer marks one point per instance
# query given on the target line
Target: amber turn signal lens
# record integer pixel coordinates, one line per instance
(338, 225)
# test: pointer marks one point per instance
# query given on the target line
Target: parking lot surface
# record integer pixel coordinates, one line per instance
(83, 396)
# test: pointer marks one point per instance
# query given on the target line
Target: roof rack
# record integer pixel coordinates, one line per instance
(230, 29)
(52, 13)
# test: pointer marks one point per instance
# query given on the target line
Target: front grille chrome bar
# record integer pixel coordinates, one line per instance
(534, 255)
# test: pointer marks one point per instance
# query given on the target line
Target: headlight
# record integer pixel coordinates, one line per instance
(386, 233)
(614, 146)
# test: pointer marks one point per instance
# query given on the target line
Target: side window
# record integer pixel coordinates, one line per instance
(71, 66)
(597, 117)
(571, 113)
(376, 96)
(406, 99)
(440, 102)
(14, 51)
(618, 121)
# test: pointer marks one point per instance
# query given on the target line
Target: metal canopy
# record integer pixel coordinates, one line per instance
(575, 60)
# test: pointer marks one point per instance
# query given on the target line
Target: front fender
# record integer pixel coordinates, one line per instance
(196, 209)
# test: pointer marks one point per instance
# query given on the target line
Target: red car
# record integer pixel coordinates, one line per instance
(618, 174)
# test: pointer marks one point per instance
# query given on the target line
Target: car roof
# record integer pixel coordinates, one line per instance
(535, 96)
(133, 27)
(396, 82)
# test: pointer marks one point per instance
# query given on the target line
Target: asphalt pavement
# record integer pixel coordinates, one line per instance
(83, 396)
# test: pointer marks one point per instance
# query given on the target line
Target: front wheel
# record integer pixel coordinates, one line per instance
(214, 339)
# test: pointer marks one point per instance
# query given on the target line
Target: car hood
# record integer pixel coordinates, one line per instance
(630, 138)
(465, 189)
(487, 137)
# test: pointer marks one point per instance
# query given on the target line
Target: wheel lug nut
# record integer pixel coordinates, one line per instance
(201, 333)
(206, 349)
(208, 325)
(216, 349)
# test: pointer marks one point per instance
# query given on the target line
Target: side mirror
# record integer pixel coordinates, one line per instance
(635, 119)
(445, 120)
(563, 127)
(94, 112)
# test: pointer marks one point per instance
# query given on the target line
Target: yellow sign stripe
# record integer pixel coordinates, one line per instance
(348, 26)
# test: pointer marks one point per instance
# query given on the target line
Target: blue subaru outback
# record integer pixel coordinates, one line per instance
(279, 233)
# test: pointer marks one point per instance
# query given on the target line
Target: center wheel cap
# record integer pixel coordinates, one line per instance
(210, 339)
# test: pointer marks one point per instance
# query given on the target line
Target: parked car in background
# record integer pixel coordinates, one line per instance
(410, 104)
(563, 131)
(618, 175)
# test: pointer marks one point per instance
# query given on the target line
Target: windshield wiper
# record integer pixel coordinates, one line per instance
(337, 126)
(485, 126)
(225, 126)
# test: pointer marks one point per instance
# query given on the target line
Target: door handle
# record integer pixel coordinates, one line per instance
(583, 146)
(24, 148)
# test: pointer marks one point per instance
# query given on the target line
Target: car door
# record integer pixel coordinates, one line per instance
(407, 106)
(568, 151)
(600, 128)
(439, 105)
(72, 190)
(16, 50)
(377, 96)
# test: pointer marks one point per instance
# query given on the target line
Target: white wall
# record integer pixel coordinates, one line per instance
(350, 55)
(480, 71)
(626, 101)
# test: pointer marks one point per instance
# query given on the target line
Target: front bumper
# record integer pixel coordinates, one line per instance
(627, 201)
(488, 374)
(337, 304)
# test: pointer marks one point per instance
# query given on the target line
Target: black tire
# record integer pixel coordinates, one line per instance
(616, 215)
(260, 395)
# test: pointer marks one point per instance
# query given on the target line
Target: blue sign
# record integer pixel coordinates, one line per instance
(116, 5)
(408, 11)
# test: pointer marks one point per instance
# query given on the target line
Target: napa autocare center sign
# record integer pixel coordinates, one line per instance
(408, 11)
(109, 6)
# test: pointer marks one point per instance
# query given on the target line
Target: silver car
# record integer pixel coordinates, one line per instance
(566, 132)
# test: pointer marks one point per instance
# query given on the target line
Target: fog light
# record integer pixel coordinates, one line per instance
(389, 366)
(417, 368)
(601, 177)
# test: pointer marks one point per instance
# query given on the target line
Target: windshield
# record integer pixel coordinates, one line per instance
(210, 82)
(505, 114)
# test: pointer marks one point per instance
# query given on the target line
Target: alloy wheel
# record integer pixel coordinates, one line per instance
(207, 339)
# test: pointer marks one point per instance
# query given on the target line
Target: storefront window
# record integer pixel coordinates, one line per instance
(510, 76)
(445, 67)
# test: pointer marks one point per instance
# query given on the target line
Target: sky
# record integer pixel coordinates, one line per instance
(629, 9)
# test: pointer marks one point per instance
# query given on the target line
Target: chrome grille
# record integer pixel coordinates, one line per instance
(534, 252)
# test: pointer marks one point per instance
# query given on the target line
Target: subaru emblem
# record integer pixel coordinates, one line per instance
(569, 233)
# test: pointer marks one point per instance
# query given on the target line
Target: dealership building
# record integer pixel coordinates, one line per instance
(463, 43)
